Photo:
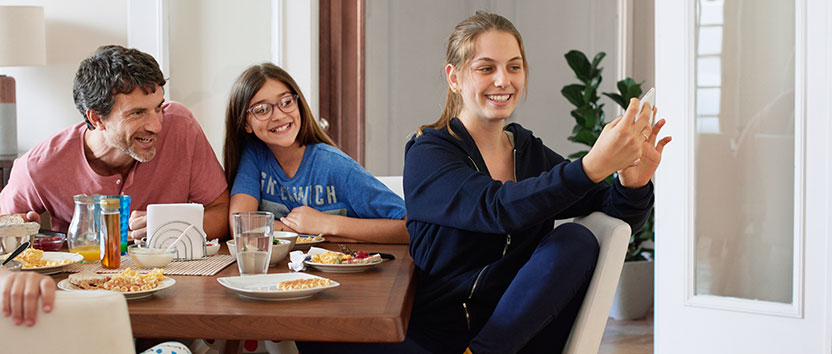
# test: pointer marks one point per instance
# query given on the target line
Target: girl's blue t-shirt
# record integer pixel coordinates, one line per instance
(327, 180)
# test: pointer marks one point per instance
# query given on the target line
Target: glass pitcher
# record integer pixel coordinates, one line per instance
(82, 235)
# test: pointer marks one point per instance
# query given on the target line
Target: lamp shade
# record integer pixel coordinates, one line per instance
(22, 36)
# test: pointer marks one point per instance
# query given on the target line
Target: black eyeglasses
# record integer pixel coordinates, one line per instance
(286, 104)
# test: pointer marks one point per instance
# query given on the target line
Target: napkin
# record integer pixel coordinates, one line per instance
(178, 225)
(296, 258)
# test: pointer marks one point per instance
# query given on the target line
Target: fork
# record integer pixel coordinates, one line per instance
(345, 249)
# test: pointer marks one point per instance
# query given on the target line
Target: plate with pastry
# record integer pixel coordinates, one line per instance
(337, 262)
(304, 242)
(46, 262)
(130, 283)
(277, 286)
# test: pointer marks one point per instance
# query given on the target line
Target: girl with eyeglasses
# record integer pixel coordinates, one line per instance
(278, 159)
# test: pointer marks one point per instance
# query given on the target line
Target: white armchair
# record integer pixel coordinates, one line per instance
(613, 237)
(81, 322)
(394, 183)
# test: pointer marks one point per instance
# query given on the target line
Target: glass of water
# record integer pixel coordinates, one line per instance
(253, 240)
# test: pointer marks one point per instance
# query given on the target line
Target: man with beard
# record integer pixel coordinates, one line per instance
(132, 143)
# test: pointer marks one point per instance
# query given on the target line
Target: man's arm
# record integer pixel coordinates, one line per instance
(215, 219)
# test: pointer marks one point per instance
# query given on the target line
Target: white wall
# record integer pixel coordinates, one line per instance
(211, 43)
(406, 88)
(74, 29)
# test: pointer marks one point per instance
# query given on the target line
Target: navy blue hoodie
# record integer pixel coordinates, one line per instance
(470, 233)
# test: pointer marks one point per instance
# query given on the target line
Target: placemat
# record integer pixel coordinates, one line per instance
(206, 266)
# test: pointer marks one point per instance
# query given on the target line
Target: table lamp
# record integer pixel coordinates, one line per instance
(22, 43)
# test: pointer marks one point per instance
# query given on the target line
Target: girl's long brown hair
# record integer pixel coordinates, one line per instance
(246, 86)
(460, 52)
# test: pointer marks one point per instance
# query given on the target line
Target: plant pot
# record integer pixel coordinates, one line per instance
(634, 295)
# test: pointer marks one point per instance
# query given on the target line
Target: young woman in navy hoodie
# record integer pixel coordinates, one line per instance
(482, 198)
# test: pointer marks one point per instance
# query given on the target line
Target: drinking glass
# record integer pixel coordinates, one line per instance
(253, 238)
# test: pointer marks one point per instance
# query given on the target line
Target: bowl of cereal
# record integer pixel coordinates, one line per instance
(151, 257)
(291, 237)
(280, 249)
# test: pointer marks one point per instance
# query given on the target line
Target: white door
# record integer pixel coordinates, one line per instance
(742, 196)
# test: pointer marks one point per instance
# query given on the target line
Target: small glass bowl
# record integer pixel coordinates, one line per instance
(212, 247)
(49, 242)
(151, 257)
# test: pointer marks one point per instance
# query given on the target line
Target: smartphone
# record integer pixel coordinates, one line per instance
(649, 97)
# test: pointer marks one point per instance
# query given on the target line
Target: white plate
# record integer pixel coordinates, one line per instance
(130, 295)
(344, 267)
(264, 286)
(57, 256)
(303, 246)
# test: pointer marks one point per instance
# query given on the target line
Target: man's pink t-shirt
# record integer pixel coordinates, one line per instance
(184, 169)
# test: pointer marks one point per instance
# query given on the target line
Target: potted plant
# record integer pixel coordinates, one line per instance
(634, 295)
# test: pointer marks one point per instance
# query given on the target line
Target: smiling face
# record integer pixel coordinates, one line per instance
(133, 125)
(492, 84)
(281, 129)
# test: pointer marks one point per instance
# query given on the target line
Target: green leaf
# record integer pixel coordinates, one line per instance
(579, 64)
(597, 73)
(578, 117)
(589, 114)
(589, 96)
(628, 88)
(597, 61)
(617, 99)
(574, 94)
(579, 120)
(596, 80)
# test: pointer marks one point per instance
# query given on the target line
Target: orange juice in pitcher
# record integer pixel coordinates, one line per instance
(82, 236)
(90, 252)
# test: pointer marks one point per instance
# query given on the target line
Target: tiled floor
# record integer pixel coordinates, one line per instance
(628, 337)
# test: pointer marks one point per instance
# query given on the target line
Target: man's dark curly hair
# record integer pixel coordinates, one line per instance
(110, 71)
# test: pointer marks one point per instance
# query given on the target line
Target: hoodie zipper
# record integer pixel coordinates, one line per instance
(473, 163)
(505, 248)
(508, 236)
(471, 295)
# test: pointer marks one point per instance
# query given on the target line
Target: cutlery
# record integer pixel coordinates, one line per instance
(15, 253)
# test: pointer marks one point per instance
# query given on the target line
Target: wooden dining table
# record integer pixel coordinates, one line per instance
(370, 306)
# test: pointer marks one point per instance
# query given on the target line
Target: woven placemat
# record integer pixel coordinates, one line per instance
(206, 266)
